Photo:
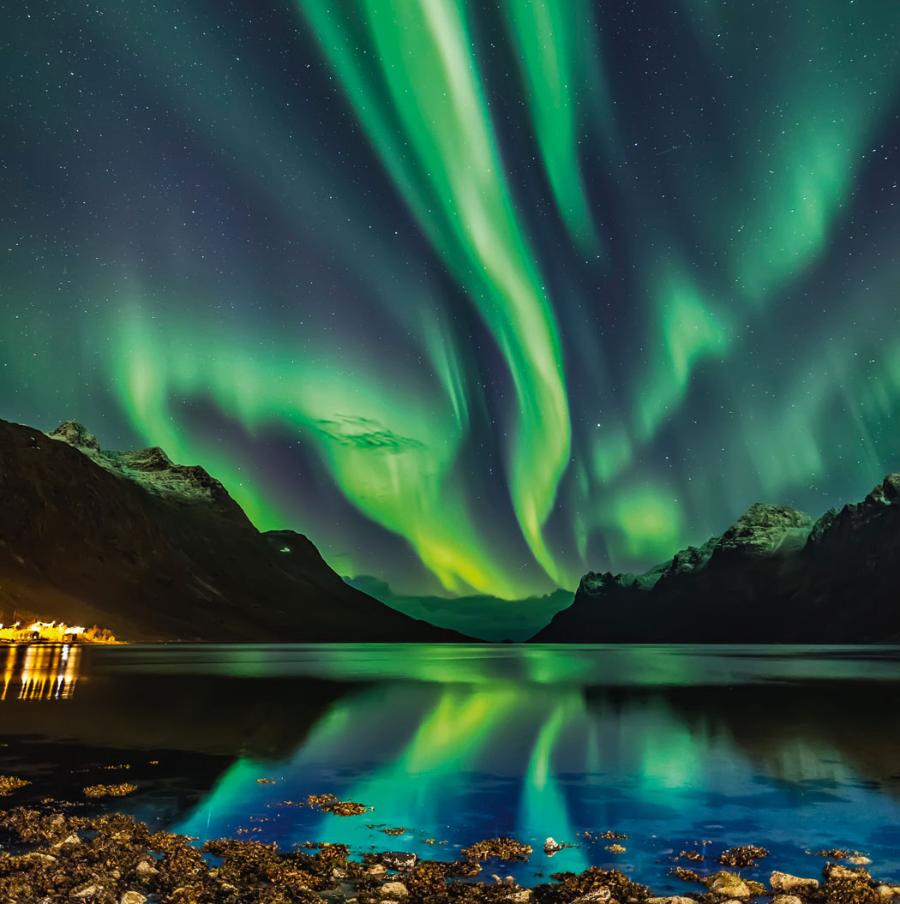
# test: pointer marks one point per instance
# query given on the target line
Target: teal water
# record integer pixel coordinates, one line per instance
(794, 748)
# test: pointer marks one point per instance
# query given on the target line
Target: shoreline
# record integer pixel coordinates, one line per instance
(50, 854)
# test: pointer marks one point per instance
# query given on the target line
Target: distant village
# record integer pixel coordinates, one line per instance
(53, 632)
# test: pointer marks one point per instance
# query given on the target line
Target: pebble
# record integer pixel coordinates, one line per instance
(132, 897)
(70, 839)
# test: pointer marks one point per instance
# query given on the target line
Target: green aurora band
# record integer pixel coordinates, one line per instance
(528, 290)
(454, 183)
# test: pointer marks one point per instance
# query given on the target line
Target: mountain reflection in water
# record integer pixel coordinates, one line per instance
(790, 747)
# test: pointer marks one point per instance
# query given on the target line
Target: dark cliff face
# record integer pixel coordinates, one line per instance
(774, 576)
(159, 551)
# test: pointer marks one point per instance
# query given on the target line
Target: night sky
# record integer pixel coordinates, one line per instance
(478, 295)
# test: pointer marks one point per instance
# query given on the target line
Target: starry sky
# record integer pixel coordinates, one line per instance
(478, 294)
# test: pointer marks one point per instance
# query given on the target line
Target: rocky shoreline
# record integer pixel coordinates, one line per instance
(51, 854)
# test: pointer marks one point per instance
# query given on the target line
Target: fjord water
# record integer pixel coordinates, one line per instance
(794, 748)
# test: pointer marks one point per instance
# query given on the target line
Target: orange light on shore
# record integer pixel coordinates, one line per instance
(57, 632)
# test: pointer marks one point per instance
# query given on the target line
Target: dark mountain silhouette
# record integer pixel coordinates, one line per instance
(484, 617)
(774, 576)
(159, 551)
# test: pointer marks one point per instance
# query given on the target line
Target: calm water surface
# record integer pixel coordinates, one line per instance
(794, 748)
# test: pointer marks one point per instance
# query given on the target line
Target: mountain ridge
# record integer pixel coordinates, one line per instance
(775, 575)
(158, 551)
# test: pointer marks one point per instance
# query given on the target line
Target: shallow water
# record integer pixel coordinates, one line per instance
(794, 748)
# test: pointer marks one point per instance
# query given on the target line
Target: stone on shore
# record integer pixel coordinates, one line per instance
(552, 846)
(132, 897)
(595, 897)
(788, 884)
(731, 885)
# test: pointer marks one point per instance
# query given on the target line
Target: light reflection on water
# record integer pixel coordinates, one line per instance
(795, 748)
(40, 671)
(613, 665)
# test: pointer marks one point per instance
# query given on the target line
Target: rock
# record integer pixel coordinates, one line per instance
(89, 891)
(672, 899)
(788, 884)
(75, 434)
(552, 846)
(132, 897)
(787, 899)
(399, 860)
(69, 839)
(520, 897)
(729, 885)
(764, 529)
(376, 869)
(888, 893)
(848, 886)
(595, 895)
(39, 855)
(838, 872)
(146, 869)
(393, 890)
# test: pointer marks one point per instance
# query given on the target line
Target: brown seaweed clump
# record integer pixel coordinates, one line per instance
(686, 875)
(113, 858)
(849, 886)
(329, 803)
(499, 849)
(9, 784)
(394, 831)
(123, 789)
(610, 835)
(742, 856)
(591, 885)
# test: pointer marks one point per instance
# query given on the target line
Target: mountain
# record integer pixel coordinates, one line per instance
(158, 551)
(484, 617)
(776, 575)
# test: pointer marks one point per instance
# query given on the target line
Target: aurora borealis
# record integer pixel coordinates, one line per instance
(478, 295)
